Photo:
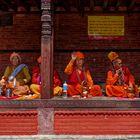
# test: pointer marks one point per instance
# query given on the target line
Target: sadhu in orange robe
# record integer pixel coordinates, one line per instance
(77, 77)
(114, 88)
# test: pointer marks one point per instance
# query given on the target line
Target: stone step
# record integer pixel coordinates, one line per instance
(72, 137)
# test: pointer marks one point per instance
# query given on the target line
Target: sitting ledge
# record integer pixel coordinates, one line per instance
(59, 102)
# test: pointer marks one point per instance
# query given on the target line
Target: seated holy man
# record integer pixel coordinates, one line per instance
(35, 87)
(120, 82)
(80, 81)
(15, 79)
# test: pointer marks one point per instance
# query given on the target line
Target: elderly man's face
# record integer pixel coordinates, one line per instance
(117, 63)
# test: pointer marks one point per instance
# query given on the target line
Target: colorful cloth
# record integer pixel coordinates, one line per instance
(36, 75)
(36, 88)
(16, 71)
(22, 74)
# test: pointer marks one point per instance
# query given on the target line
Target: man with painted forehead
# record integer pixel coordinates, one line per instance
(80, 81)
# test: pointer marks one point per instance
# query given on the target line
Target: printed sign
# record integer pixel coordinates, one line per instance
(105, 27)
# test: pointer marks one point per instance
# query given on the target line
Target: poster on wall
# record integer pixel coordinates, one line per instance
(105, 27)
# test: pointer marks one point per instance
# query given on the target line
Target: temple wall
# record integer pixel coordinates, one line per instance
(24, 36)
(66, 121)
(70, 117)
(98, 116)
(71, 34)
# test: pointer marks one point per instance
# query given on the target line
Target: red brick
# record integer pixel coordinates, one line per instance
(18, 122)
(97, 122)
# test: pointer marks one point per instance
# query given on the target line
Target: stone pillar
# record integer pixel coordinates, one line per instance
(45, 121)
(47, 49)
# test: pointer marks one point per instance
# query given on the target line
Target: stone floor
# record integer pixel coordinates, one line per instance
(71, 137)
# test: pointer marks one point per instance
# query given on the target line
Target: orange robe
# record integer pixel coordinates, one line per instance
(112, 87)
(74, 85)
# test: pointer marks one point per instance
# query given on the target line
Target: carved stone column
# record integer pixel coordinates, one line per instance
(47, 49)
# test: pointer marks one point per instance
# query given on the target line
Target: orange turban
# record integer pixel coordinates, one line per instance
(80, 55)
(112, 56)
(15, 55)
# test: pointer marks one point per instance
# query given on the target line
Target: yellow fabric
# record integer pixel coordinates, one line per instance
(57, 91)
(35, 89)
(36, 92)
(23, 74)
(112, 56)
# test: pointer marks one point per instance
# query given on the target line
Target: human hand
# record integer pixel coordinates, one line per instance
(21, 82)
(5, 78)
(39, 79)
(2, 82)
(118, 72)
(130, 88)
(84, 83)
(73, 56)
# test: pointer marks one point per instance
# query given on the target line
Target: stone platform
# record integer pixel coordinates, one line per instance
(59, 102)
(71, 117)
(71, 137)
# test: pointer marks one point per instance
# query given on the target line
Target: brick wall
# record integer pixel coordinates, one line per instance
(24, 34)
(96, 122)
(21, 122)
(23, 37)
(71, 34)
(99, 63)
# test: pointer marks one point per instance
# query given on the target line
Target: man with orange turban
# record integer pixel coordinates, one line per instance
(80, 79)
(120, 82)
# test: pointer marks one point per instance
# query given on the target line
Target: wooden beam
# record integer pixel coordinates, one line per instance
(105, 4)
(46, 51)
(81, 7)
(46, 68)
(92, 3)
(4, 2)
(66, 5)
(131, 5)
(118, 3)
(22, 6)
(38, 3)
(4, 5)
